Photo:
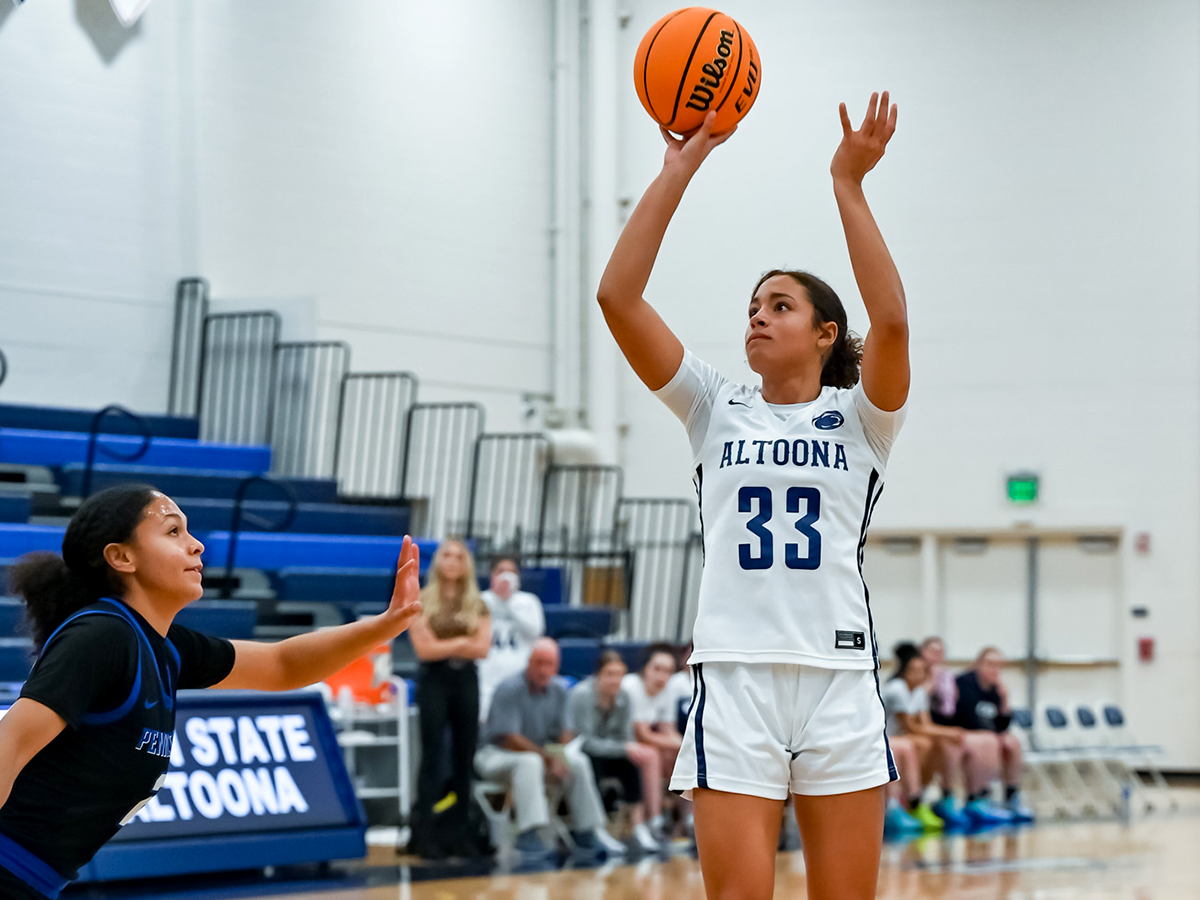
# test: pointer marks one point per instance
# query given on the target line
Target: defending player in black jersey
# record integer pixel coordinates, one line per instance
(89, 740)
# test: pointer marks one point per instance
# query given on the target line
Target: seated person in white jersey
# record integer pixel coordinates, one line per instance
(517, 621)
(88, 743)
(654, 718)
(786, 693)
(524, 744)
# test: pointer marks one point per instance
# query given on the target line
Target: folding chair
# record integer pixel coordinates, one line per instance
(1038, 765)
(1067, 762)
(1140, 757)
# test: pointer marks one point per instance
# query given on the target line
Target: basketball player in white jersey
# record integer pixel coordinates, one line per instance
(786, 694)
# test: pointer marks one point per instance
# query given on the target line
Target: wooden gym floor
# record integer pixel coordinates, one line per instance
(1157, 858)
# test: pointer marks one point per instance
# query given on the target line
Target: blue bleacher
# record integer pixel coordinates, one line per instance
(44, 418)
(16, 658)
(211, 483)
(347, 589)
(313, 518)
(579, 657)
(55, 449)
(577, 622)
(12, 615)
(232, 619)
(15, 507)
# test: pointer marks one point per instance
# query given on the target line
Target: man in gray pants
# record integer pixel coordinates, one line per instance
(522, 746)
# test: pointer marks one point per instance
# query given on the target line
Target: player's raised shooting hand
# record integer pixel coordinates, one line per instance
(691, 150)
(860, 150)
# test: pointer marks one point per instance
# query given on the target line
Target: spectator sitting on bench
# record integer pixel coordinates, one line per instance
(517, 621)
(523, 747)
(600, 713)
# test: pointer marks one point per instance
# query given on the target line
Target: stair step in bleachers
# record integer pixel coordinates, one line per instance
(15, 507)
(176, 482)
(207, 514)
(16, 658)
(46, 418)
(231, 619)
(352, 591)
(63, 448)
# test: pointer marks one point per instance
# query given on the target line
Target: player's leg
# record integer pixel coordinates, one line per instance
(736, 836)
(842, 838)
(1013, 765)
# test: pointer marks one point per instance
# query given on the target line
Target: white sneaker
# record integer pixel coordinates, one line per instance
(644, 838)
(658, 827)
(608, 842)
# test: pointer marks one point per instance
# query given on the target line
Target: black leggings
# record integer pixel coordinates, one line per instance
(447, 696)
(623, 770)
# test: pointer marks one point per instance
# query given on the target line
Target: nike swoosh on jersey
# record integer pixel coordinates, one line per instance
(150, 704)
(745, 403)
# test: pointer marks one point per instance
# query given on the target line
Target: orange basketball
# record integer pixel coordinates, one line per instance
(694, 60)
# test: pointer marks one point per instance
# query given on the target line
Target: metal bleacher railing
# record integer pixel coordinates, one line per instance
(307, 406)
(439, 444)
(369, 432)
(507, 481)
(238, 515)
(372, 415)
(111, 449)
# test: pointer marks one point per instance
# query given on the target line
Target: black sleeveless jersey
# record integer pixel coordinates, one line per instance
(113, 680)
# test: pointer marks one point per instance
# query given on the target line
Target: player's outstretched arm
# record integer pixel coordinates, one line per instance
(24, 731)
(309, 658)
(653, 351)
(885, 369)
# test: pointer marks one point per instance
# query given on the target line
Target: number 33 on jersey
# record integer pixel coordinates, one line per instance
(786, 494)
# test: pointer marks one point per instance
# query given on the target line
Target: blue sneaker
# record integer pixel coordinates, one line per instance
(530, 844)
(983, 813)
(948, 810)
(1019, 811)
(898, 822)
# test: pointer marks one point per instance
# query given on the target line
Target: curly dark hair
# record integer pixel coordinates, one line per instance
(844, 359)
(55, 586)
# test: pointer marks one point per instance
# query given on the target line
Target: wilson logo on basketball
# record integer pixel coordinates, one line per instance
(712, 73)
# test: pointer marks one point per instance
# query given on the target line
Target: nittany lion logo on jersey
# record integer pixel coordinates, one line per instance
(827, 421)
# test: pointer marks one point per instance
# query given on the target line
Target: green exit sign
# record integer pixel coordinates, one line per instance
(1023, 487)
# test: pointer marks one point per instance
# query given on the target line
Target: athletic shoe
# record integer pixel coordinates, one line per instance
(982, 813)
(609, 844)
(952, 816)
(530, 843)
(1020, 812)
(929, 820)
(644, 839)
(897, 822)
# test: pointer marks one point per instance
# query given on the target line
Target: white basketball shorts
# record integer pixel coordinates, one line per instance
(767, 730)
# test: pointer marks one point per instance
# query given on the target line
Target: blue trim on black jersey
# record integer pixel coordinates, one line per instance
(701, 763)
(30, 869)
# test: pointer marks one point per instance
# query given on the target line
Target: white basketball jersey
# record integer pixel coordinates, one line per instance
(784, 506)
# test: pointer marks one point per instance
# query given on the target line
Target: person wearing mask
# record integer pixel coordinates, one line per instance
(517, 621)
(524, 745)
(448, 638)
(600, 714)
(983, 707)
